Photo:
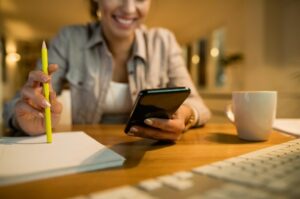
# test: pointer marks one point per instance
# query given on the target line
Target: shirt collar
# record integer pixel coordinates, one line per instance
(139, 48)
(94, 34)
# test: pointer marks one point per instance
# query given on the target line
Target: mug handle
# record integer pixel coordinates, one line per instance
(229, 113)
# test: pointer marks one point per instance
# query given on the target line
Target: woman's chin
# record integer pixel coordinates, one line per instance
(123, 34)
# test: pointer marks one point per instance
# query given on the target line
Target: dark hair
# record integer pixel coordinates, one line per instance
(93, 9)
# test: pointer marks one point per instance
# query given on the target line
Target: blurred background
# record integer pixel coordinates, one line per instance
(228, 45)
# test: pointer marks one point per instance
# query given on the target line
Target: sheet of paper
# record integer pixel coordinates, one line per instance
(29, 158)
(290, 126)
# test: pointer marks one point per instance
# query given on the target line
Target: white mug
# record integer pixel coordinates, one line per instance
(253, 113)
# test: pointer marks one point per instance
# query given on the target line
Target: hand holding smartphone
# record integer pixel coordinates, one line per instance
(156, 103)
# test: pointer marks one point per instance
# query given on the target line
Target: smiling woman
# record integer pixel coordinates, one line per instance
(117, 54)
(120, 19)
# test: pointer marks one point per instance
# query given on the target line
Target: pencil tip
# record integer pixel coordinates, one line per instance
(44, 45)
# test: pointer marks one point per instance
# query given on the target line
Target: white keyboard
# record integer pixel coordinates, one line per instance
(273, 172)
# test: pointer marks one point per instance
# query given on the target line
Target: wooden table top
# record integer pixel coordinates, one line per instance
(144, 159)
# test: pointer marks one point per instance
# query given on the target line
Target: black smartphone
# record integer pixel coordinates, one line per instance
(158, 103)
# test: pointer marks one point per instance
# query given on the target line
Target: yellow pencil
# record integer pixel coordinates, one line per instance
(46, 93)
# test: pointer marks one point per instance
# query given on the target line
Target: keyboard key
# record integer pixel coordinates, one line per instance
(79, 197)
(150, 185)
(173, 182)
(126, 192)
(183, 175)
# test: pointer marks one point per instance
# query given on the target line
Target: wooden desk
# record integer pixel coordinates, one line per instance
(144, 159)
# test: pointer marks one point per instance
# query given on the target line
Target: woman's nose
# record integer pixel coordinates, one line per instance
(129, 6)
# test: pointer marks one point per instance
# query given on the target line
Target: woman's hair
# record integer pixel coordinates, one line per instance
(93, 9)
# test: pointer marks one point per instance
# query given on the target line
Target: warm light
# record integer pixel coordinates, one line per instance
(12, 58)
(195, 59)
(11, 46)
(214, 52)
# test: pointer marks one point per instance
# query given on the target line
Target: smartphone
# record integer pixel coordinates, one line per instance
(158, 103)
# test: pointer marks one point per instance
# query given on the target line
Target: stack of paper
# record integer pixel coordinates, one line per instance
(290, 126)
(29, 158)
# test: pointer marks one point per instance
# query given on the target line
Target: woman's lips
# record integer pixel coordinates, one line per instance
(124, 21)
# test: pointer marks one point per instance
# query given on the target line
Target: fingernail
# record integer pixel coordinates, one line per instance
(130, 133)
(41, 115)
(45, 79)
(148, 121)
(133, 130)
(46, 103)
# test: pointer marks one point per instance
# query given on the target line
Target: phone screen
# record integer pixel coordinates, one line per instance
(157, 103)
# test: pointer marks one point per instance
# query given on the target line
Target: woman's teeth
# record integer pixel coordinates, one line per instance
(124, 21)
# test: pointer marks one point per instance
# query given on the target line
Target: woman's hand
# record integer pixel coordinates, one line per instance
(164, 129)
(29, 111)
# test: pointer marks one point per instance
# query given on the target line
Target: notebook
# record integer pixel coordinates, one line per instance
(286, 125)
(25, 159)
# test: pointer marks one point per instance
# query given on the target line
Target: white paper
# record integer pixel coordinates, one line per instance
(290, 126)
(29, 158)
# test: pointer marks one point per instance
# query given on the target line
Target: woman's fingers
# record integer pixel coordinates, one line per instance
(153, 133)
(29, 119)
(32, 91)
(35, 78)
(34, 97)
(56, 106)
(160, 129)
(25, 110)
(52, 68)
(171, 125)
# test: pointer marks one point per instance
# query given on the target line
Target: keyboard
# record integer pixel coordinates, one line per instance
(273, 172)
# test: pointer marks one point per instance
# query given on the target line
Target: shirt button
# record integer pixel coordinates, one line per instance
(130, 72)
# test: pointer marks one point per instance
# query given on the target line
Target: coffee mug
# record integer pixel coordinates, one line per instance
(253, 113)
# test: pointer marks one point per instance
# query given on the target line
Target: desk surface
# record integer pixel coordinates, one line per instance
(144, 159)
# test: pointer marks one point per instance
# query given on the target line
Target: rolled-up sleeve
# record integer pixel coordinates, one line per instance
(179, 76)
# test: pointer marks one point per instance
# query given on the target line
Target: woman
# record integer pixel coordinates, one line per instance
(106, 64)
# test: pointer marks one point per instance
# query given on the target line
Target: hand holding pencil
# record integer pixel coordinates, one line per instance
(35, 112)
